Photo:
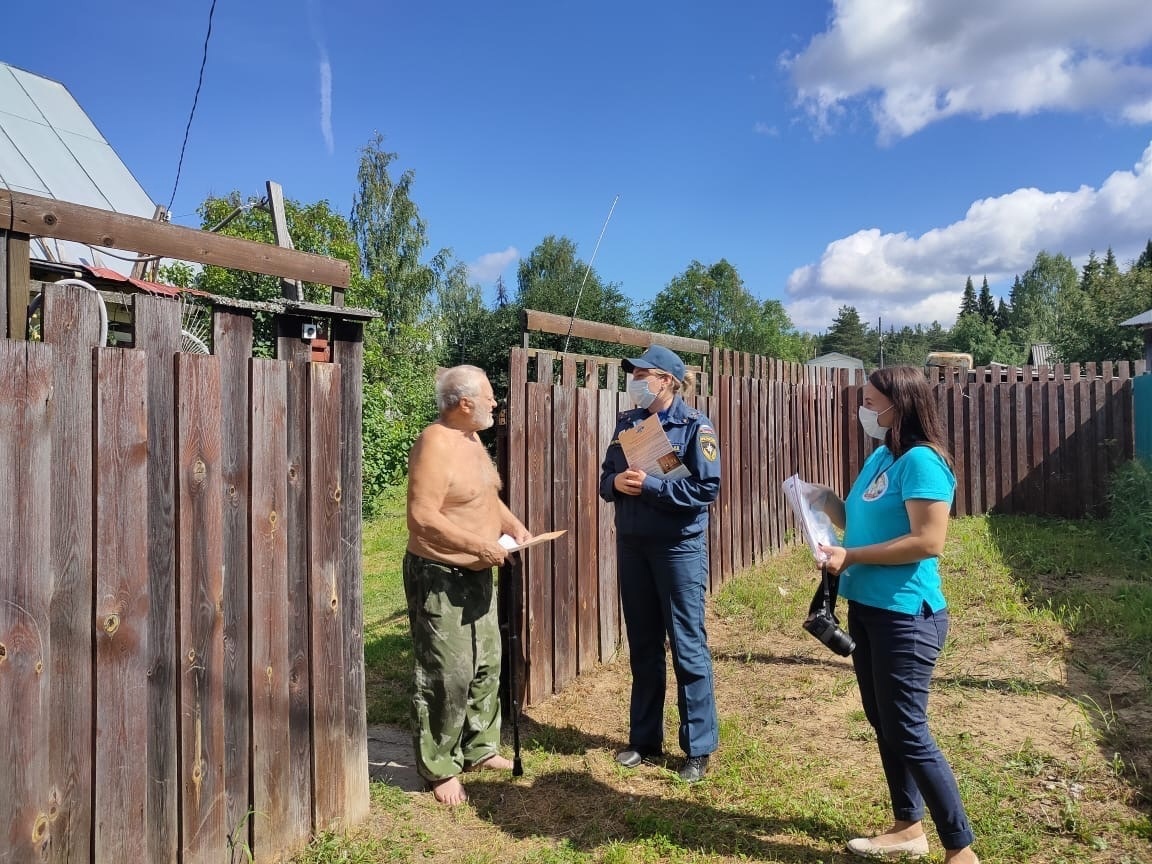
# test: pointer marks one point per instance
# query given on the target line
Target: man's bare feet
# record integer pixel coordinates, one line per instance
(449, 791)
(495, 762)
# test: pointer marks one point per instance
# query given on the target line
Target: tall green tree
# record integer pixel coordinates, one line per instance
(1033, 300)
(968, 302)
(986, 305)
(710, 302)
(1090, 313)
(401, 349)
(1144, 262)
(973, 335)
(460, 315)
(848, 335)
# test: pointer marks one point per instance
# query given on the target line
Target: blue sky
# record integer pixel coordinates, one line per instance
(863, 151)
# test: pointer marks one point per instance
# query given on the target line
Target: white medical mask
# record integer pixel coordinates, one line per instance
(870, 421)
(642, 396)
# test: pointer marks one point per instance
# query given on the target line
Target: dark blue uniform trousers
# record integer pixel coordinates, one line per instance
(662, 587)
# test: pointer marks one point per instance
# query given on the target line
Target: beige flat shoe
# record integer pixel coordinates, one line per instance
(865, 847)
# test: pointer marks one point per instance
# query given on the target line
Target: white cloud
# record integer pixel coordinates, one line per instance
(912, 280)
(913, 62)
(326, 103)
(762, 128)
(488, 266)
(316, 28)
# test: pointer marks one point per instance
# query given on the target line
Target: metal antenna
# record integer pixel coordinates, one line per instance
(587, 270)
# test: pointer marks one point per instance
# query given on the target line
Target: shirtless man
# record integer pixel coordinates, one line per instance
(455, 519)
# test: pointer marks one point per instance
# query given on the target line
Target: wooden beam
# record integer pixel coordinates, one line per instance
(547, 322)
(46, 217)
(290, 288)
(140, 268)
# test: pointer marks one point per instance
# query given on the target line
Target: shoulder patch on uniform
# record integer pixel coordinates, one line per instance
(705, 429)
(708, 446)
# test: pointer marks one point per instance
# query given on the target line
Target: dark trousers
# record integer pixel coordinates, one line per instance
(662, 588)
(894, 659)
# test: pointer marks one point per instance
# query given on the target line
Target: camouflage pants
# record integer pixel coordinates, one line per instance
(456, 645)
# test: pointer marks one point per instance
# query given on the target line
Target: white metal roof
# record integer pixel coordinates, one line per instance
(1143, 319)
(49, 147)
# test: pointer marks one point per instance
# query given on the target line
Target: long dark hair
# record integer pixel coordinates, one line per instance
(915, 419)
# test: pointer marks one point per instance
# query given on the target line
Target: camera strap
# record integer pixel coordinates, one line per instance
(826, 594)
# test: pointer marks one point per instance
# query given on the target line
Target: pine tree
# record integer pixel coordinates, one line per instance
(1003, 316)
(987, 306)
(968, 304)
(1090, 275)
(847, 335)
(1144, 262)
(501, 292)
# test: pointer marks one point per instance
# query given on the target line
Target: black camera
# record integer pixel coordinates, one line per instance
(823, 626)
(822, 621)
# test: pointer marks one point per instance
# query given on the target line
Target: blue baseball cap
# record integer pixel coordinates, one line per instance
(658, 357)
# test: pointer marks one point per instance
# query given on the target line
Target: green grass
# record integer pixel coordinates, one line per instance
(1028, 597)
(387, 646)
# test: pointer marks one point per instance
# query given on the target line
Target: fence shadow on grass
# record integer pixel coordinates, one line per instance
(588, 814)
(1072, 569)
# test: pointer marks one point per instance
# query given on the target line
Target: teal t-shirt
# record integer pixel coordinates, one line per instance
(874, 511)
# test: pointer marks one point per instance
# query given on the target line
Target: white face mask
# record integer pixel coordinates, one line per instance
(642, 396)
(870, 420)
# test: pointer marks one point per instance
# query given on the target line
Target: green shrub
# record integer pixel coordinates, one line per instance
(1130, 501)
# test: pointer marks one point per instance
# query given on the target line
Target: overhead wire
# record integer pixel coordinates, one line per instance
(587, 270)
(195, 100)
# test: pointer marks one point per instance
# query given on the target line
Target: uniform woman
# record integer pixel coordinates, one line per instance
(662, 558)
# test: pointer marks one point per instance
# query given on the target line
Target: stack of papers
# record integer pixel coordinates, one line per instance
(804, 499)
(647, 448)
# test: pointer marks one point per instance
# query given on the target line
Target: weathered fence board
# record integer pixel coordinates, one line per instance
(327, 648)
(609, 595)
(156, 324)
(232, 345)
(200, 596)
(272, 829)
(71, 324)
(299, 647)
(586, 528)
(121, 608)
(539, 564)
(25, 627)
(565, 575)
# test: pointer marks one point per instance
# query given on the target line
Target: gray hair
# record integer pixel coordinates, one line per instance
(456, 383)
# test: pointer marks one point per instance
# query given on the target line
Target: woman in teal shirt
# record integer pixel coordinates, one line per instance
(895, 522)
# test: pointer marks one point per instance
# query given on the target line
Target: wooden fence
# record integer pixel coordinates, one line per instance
(1044, 445)
(181, 659)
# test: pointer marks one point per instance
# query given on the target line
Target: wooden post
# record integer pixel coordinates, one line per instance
(16, 278)
(348, 351)
(290, 288)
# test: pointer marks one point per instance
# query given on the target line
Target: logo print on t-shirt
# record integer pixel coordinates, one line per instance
(877, 487)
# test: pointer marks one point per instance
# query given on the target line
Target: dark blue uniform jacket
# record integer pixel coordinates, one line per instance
(666, 508)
